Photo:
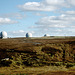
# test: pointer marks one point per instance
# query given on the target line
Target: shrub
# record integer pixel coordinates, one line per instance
(69, 65)
(5, 63)
(50, 50)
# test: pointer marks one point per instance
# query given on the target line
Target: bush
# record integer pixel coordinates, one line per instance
(50, 50)
(5, 63)
(69, 65)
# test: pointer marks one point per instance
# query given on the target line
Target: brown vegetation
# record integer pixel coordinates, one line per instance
(23, 52)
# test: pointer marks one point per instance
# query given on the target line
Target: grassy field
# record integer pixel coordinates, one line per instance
(37, 56)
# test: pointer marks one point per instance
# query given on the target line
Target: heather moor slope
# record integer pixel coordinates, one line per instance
(28, 52)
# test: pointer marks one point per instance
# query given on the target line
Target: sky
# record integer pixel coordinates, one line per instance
(39, 17)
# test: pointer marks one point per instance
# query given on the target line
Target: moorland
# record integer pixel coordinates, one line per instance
(37, 56)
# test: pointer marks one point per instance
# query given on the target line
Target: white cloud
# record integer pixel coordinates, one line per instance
(70, 2)
(57, 21)
(39, 14)
(7, 21)
(13, 15)
(37, 6)
(54, 2)
(61, 23)
(19, 33)
(57, 25)
(47, 5)
(72, 13)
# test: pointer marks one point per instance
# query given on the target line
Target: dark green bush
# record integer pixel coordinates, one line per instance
(69, 65)
(5, 63)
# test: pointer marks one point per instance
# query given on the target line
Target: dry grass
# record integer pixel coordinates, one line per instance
(31, 70)
(51, 54)
(45, 70)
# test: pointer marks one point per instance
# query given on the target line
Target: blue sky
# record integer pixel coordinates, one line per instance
(39, 17)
